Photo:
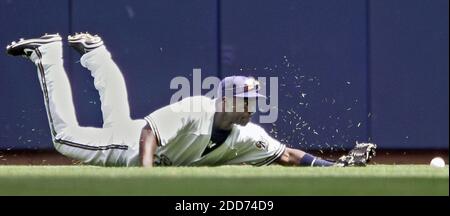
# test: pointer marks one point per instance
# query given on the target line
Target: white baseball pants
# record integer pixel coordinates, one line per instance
(117, 143)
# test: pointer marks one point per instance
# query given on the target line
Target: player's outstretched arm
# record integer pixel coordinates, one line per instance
(296, 157)
(290, 157)
(147, 147)
(360, 155)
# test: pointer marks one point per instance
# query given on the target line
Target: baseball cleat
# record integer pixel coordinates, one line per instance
(84, 42)
(25, 47)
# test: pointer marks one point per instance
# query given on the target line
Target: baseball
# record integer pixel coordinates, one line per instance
(437, 162)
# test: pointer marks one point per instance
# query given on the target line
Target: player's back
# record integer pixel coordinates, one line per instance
(183, 129)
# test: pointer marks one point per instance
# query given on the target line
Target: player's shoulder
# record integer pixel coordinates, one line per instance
(253, 136)
(251, 129)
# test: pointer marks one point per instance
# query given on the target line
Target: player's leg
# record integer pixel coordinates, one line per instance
(101, 146)
(46, 53)
(108, 79)
(90, 145)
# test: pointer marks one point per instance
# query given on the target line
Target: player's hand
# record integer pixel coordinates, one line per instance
(358, 156)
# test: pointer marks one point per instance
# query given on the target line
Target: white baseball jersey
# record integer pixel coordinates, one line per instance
(183, 130)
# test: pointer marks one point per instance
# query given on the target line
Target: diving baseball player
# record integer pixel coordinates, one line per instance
(217, 133)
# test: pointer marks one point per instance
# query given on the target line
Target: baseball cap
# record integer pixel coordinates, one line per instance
(240, 86)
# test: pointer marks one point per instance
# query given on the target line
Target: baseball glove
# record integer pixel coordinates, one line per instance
(358, 156)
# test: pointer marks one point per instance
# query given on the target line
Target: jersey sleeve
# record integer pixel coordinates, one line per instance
(255, 147)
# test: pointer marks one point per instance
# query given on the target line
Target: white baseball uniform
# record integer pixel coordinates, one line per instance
(183, 133)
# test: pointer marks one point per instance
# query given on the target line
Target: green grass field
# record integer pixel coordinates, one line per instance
(225, 180)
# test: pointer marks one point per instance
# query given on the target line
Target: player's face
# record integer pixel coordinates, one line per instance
(243, 110)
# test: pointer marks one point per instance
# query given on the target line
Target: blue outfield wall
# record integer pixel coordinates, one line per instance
(317, 49)
(409, 73)
(348, 70)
